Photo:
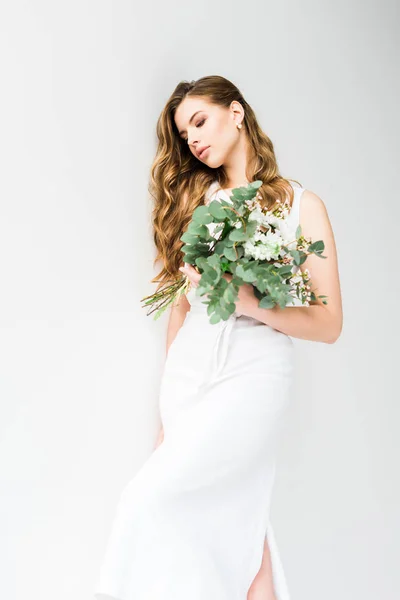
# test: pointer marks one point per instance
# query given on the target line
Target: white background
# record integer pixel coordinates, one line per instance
(83, 83)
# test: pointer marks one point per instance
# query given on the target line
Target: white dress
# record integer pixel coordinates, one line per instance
(191, 523)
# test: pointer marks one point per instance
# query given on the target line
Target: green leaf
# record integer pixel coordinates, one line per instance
(214, 261)
(198, 229)
(215, 318)
(232, 307)
(190, 255)
(266, 302)
(248, 275)
(201, 215)
(238, 235)
(230, 253)
(251, 228)
(316, 247)
(285, 271)
(229, 294)
(296, 257)
(303, 258)
(255, 184)
(219, 247)
(189, 238)
(224, 265)
(216, 210)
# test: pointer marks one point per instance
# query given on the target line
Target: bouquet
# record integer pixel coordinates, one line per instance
(252, 243)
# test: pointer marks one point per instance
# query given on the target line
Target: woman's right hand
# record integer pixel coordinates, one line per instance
(191, 273)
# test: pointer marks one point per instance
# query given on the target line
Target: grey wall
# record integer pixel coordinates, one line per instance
(80, 363)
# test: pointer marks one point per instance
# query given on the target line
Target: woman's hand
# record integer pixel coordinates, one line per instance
(245, 301)
(191, 273)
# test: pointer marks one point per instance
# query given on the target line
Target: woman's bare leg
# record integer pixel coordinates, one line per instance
(262, 587)
(160, 438)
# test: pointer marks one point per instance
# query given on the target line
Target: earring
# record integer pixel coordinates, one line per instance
(239, 125)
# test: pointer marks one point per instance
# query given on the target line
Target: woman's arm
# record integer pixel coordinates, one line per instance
(177, 315)
(176, 318)
(317, 322)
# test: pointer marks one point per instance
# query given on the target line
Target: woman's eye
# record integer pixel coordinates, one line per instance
(199, 124)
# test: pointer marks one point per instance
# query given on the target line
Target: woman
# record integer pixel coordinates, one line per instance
(194, 521)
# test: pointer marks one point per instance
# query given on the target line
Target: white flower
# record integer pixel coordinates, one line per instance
(288, 233)
(296, 277)
(257, 215)
(271, 219)
(273, 242)
(264, 246)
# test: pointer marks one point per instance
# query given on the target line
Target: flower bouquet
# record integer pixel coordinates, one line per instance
(254, 244)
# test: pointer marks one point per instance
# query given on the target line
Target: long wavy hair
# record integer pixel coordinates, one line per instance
(179, 182)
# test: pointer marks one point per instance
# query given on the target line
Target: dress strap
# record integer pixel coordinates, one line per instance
(294, 214)
(210, 192)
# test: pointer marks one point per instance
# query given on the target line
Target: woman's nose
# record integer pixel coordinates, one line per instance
(193, 141)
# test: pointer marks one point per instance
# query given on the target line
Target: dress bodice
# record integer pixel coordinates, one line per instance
(293, 219)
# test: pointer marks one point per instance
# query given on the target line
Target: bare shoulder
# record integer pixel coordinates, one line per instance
(314, 219)
(311, 204)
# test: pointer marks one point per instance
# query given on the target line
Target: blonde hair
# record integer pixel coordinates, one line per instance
(179, 182)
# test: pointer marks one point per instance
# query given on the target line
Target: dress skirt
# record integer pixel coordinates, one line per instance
(191, 523)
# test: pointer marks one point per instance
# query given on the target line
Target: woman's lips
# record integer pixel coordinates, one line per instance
(204, 152)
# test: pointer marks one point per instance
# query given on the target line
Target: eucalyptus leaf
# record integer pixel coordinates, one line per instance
(296, 257)
(266, 302)
(230, 253)
(317, 247)
(248, 275)
(238, 235)
(202, 215)
(189, 238)
(217, 211)
(198, 229)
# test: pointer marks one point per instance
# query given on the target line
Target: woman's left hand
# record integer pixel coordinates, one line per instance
(245, 300)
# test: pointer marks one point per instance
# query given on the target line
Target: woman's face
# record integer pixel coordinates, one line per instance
(202, 124)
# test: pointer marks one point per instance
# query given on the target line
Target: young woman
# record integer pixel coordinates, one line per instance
(194, 521)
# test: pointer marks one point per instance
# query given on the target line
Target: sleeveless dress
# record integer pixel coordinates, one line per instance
(191, 523)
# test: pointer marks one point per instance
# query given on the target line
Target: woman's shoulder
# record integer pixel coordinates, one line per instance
(307, 206)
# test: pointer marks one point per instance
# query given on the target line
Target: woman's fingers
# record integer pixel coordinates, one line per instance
(191, 273)
(195, 277)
